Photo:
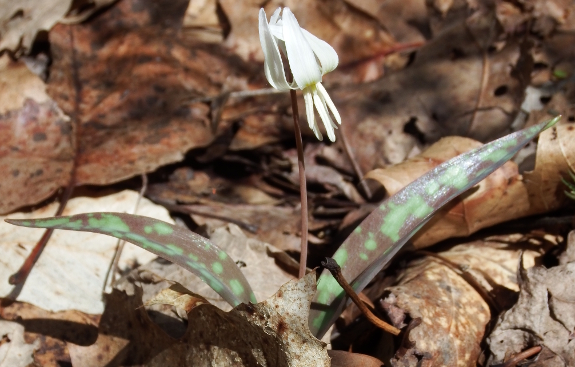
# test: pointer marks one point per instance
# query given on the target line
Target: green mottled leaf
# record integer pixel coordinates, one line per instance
(571, 185)
(382, 234)
(179, 245)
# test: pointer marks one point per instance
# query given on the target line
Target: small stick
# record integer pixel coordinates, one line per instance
(520, 357)
(335, 270)
(354, 164)
(302, 185)
(114, 268)
(22, 274)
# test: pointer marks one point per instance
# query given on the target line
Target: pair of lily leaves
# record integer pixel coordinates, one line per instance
(361, 256)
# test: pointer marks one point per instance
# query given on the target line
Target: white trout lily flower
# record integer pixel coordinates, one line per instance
(309, 59)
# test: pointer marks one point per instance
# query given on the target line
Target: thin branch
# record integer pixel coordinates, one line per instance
(114, 268)
(519, 357)
(21, 275)
(335, 270)
(354, 164)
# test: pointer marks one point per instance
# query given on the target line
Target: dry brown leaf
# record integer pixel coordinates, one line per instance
(443, 291)
(453, 315)
(341, 358)
(135, 80)
(36, 151)
(179, 297)
(21, 20)
(273, 332)
(14, 350)
(448, 89)
(542, 316)
(405, 20)
(46, 332)
(555, 157)
(278, 226)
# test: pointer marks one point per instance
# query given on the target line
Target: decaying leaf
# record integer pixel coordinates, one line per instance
(21, 20)
(273, 333)
(542, 316)
(178, 296)
(71, 272)
(45, 332)
(36, 151)
(454, 293)
(137, 78)
(14, 350)
(555, 157)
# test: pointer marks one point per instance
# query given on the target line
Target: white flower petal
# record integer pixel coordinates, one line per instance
(324, 96)
(324, 116)
(273, 65)
(277, 31)
(325, 107)
(308, 99)
(304, 67)
(324, 52)
(275, 16)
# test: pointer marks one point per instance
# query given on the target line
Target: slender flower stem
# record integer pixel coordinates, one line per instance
(302, 185)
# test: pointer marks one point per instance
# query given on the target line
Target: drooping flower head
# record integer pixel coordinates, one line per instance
(309, 59)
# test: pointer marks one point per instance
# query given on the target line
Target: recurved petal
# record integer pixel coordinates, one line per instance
(324, 96)
(308, 99)
(304, 67)
(324, 116)
(324, 52)
(275, 16)
(273, 65)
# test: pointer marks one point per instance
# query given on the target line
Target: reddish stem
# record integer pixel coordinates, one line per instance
(302, 185)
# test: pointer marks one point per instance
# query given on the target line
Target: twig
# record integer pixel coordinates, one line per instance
(354, 164)
(520, 357)
(407, 344)
(484, 75)
(331, 265)
(114, 267)
(21, 275)
(302, 185)
(188, 209)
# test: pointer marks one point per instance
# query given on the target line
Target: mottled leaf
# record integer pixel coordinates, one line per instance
(382, 234)
(179, 245)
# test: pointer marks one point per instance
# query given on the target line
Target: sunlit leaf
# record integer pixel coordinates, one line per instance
(176, 244)
(382, 234)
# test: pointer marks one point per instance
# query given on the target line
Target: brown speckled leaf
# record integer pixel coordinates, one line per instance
(454, 315)
(273, 333)
(542, 316)
(135, 77)
(36, 153)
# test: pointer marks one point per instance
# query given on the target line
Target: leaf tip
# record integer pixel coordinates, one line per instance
(552, 122)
